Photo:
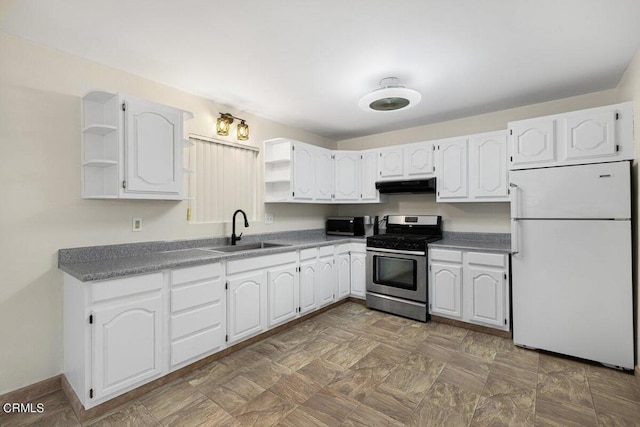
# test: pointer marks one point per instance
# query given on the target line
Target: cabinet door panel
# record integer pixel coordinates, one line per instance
(326, 280)
(246, 309)
(446, 290)
(344, 275)
(308, 286)
(153, 147)
(533, 141)
(452, 170)
(487, 295)
(346, 178)
(358, 274)
(419, 160)
(126, 345)
(303, 172)
(590, 135)
(488, 166)
(391, 165)
(368, 176)
(324, 179)
(282, 284)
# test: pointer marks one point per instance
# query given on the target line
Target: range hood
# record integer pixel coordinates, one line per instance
(421, 186)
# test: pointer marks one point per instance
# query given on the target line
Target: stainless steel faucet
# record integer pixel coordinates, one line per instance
(235, 238)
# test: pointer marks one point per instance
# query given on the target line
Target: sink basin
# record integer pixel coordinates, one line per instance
(247, 247)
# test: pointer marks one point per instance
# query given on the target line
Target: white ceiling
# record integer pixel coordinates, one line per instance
(306, 63)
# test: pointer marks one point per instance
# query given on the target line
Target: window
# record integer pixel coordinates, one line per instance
(223, 178)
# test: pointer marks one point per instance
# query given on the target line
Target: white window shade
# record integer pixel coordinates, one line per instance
(223, 178)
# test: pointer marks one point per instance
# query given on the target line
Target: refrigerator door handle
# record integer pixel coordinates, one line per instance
(515, 199)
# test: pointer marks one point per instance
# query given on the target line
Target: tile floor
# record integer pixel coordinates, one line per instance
(352, 366)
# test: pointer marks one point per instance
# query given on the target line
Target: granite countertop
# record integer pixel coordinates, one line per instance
(486, 242)
(113, 261)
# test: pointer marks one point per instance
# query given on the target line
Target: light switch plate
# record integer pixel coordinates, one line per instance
(268, 218)
(136, 224)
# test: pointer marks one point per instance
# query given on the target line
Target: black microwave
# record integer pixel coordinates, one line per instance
(345, 225)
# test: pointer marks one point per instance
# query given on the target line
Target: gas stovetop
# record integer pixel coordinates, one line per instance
(408, 233)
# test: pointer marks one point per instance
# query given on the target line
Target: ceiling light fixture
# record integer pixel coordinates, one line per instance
(223, 124)
(390, 96)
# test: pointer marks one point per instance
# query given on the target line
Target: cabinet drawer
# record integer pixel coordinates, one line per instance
(195, 320)
(481, 258)
(326, 250)
(191, 274)
(446, 255)
(196, 345)
(260, 262)
(308, 253)
(195, 295)
(344, 248)
(116, 288)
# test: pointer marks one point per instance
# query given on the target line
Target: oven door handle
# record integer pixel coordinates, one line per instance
(396, 251)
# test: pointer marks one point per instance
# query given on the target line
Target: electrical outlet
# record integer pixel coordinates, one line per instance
(136, 224)
(268, 218)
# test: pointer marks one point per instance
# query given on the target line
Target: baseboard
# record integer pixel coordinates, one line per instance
(32, 391)
(471, 326)
(85, 415)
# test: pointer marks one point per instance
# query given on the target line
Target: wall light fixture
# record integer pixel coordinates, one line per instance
(223, 124)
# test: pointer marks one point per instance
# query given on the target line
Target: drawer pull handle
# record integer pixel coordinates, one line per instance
(608, 175)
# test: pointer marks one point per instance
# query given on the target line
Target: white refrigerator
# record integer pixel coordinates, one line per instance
(571, 266)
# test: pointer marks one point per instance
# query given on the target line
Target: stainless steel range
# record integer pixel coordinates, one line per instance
(397, 265)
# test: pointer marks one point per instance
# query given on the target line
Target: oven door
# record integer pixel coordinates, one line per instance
(402, 275)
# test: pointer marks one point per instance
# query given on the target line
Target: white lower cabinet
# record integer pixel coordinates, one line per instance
(114, 335)
(327, 277)
(247, 305)
(470, 286)
(282, 284)
(122, 333)
(126, 344)
(358, 273)
(446, 290)
(344, 271)
(308, 280)
(198, 304)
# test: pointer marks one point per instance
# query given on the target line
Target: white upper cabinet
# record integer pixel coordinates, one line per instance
(590, 135)
(473, 168)
(602, 134)
(368, 176)
(419, 161)
(295, 172)
(533, 142)
(391, 163)
(407, 161)
(154, 145)
(452, 170)
(304, 161)
(324, 179)
(131, 148)
(488, 173)
(346, 165)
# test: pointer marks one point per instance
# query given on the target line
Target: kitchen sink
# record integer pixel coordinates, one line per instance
(247, 247)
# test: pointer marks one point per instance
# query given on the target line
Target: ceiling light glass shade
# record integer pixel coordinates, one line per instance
(222, 126)
(390, 97)
(243, 131)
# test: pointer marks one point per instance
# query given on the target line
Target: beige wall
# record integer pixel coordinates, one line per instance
(40, 206)
(478, 217)
(629, 90)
